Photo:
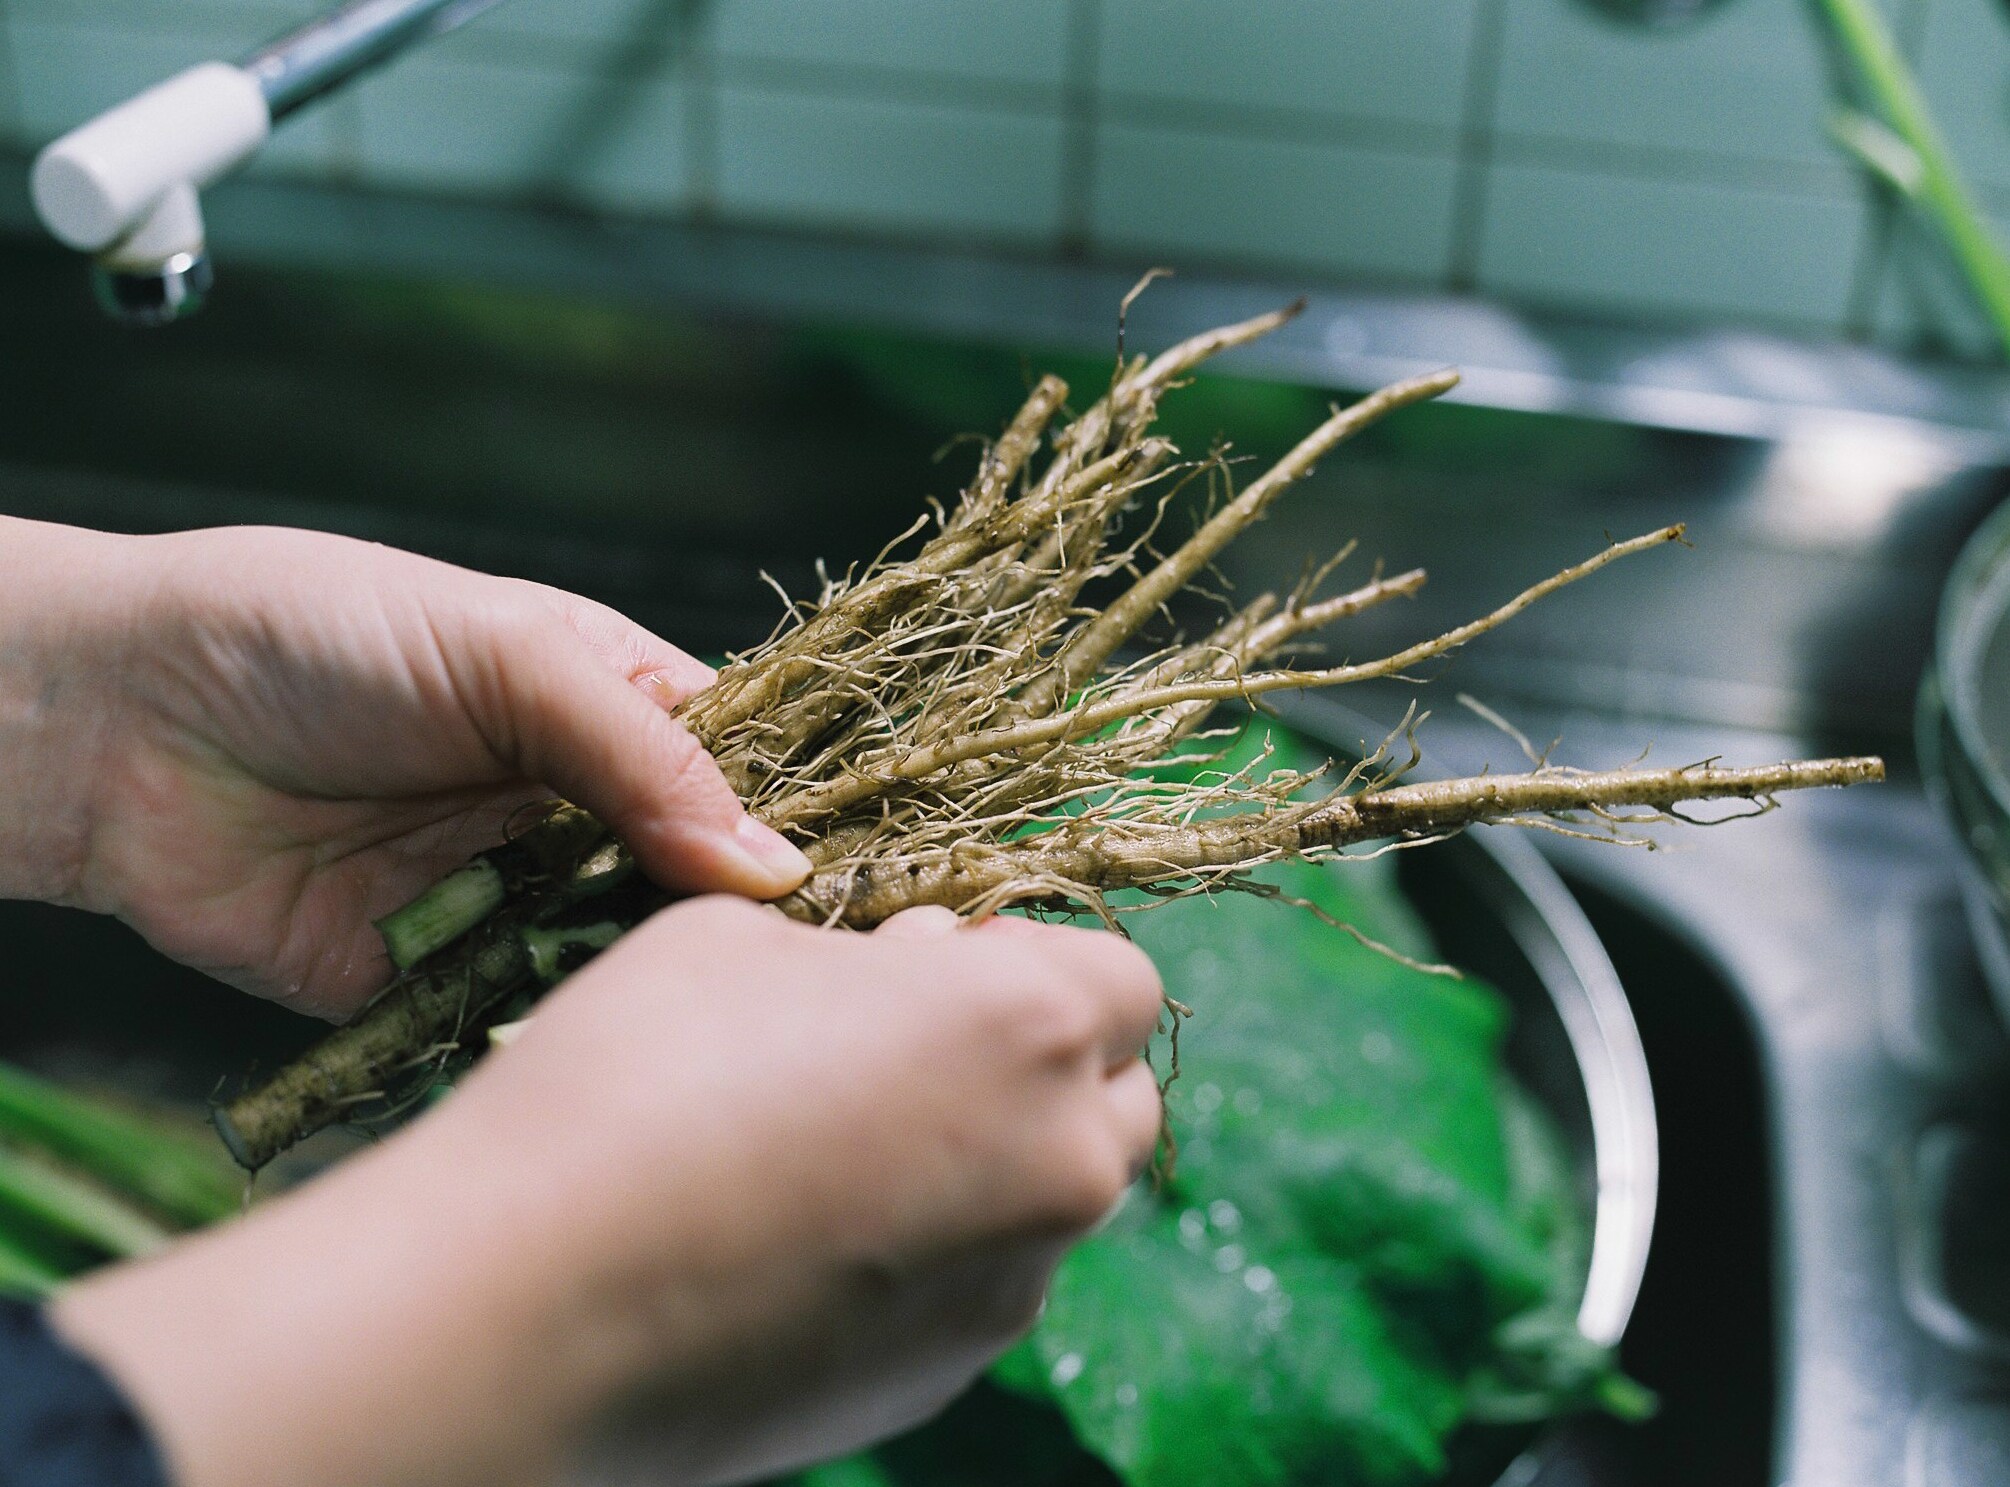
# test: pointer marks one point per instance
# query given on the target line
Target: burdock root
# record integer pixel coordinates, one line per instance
(977, 724)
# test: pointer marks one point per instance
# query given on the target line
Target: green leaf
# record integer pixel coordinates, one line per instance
(1335, 1249)
(1183, 1356)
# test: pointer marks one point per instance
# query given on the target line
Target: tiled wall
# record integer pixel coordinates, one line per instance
(1535, 150)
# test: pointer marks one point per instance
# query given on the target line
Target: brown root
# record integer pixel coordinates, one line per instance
(960, 727)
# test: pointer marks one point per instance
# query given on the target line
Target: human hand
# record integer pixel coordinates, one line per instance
(248, 743)
(779, 1190)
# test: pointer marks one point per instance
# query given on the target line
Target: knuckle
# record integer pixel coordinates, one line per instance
(1132, 978)
(1088, 1180)
(1112, 967)
(1139, 1108)
(682, 763)
(1052, 1020)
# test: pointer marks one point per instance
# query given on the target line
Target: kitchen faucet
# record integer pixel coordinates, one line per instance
(125, 186)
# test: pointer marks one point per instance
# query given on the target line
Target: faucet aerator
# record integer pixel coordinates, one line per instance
(153, 296)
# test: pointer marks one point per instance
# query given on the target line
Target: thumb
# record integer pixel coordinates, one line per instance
(566, 720)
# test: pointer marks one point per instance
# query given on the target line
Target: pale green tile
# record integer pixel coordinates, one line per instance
(599, 23)
(1745, 80)
(67, 72)
(1024, 41)
(251, 18)
(1615, 243)
(432, 119)
(1337, 210)
(11, 128)
(1401, 60)
(1964, 69)
(885, 165)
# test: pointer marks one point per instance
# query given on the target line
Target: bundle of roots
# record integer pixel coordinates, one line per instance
(963, 726)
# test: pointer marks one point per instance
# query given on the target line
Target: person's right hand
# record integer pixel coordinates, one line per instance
(780, 1190)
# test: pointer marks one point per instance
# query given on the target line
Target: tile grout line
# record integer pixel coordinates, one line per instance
(701, 116)
(12, 125)
(896, 83)
(1478, 118)
(1081, 113)
(1680, 166)
(349, 162)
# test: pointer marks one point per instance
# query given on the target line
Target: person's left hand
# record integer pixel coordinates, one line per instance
(249, 743)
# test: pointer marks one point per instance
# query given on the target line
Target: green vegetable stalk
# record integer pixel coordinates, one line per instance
(36, 1195)
(23, 1273)
(84, 1181)
(174, 1173)
(1898, 141)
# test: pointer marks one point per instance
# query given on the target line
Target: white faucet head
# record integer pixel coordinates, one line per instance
(124, 186)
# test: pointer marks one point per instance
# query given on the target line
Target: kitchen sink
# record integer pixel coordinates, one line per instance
(657, 417)
(1704, 1326)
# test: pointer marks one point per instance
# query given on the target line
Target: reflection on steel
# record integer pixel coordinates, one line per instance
(305, 63)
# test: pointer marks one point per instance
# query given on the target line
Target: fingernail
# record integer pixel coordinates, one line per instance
(774, 854)
(671, 685)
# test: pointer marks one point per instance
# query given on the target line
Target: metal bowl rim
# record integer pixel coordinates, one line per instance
(1550, 929)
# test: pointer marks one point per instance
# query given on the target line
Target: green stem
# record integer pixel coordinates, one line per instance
(443, 913)
(72, 1208)
(181, 1177)
(548, 947)
(1623, 1399)
(567, 850)
(1940, 192)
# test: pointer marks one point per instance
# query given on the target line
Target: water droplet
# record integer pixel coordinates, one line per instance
(1207, 1099)
(1126, 1395)
(1192, 1228)
(1229, 1257)
(1376, 1048)
(1259, 1278)
(1224, 1215)
(1248, 1102)
(1067, 1368)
